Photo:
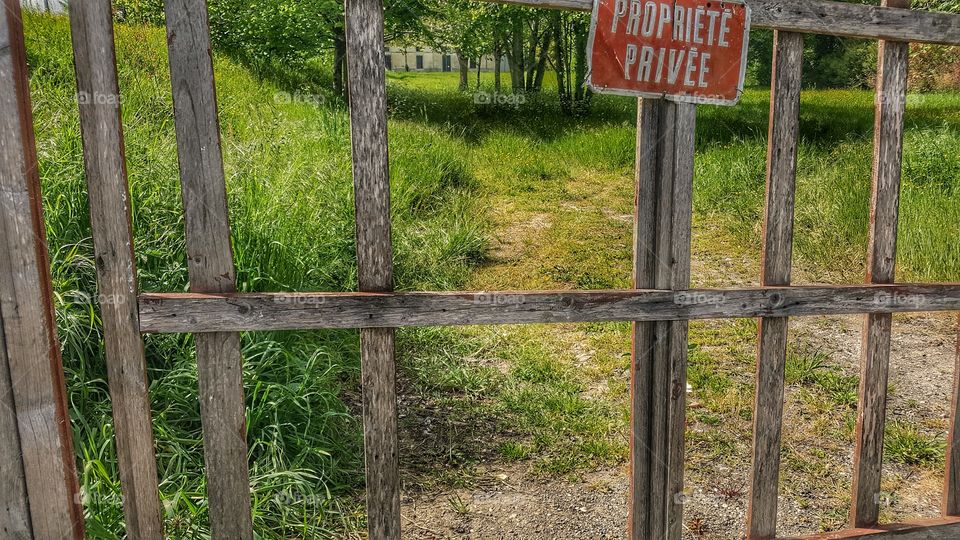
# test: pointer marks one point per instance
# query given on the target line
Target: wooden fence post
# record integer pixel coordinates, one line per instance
(26, 305)
(371, 180)
(881, 269)
(91, 23)
(665, 149)
(776, 271)
(210, 261)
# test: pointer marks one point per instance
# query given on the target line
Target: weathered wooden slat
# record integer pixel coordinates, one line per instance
(679, 271)
(825, 17)
(91, 24)
(14, 510)
(937, 529)
(164, 313)
(665, 134)
(881, 267)
(951, 483)
(210, 262)
(26, 305)
(776, 271)
(371, 180)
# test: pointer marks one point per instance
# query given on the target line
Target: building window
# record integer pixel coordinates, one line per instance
(388, 61)
(447, 63)
(419, 61)
(473, 64)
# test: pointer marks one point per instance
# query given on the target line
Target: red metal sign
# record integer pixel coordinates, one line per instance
(683, 50)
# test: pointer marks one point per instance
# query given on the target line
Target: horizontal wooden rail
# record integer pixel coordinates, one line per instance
(935, 529)
(193, 313)
(826, 17)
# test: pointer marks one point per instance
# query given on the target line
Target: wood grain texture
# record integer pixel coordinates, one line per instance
(91, 23)
(166, 313)
(825, 17)
(371, 180)
(951, 483)
(210, 262)
(26, 305)
(14, 509)
(776, 271)
(936, 529)
(881, 268)
(665, 134)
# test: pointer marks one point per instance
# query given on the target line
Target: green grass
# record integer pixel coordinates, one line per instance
(290, 195)
(484, 197)
(905, 444)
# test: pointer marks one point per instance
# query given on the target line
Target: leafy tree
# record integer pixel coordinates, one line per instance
(528, 37)
(935, 66)
(571, 31)
(260, 32)
(462, 27)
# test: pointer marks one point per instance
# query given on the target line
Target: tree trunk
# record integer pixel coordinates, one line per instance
(339, 62)
(542, 63)
(497, 58)
(516, 57)
(561, 63)
(464, 71)
(584, 95)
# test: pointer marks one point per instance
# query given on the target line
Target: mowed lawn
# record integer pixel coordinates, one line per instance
(491, 197)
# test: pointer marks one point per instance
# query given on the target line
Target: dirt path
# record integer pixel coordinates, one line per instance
(536, 250)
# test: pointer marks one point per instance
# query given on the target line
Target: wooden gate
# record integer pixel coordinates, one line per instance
(38, 493)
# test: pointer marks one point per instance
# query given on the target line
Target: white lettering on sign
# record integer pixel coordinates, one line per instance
(688, 26)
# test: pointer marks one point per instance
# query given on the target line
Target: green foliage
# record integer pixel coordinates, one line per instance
(278, 29)
(828, 61)
(139, 11)
(260, 31)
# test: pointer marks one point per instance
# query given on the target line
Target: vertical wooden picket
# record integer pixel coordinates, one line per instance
(371, 179)
(776, 271)
(91, 23)
(881, 266)
(26, 306)
(665, 145)
(14, 511)
(951, 482)
(210, 261)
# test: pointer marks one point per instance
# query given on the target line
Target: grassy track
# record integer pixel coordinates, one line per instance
(560, 195)
(485, 197)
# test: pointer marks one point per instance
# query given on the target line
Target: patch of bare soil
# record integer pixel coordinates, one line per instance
(507, 504)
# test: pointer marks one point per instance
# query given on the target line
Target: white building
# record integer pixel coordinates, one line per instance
(424, 59)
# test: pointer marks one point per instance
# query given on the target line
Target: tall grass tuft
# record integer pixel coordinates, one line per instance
(287, 162)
